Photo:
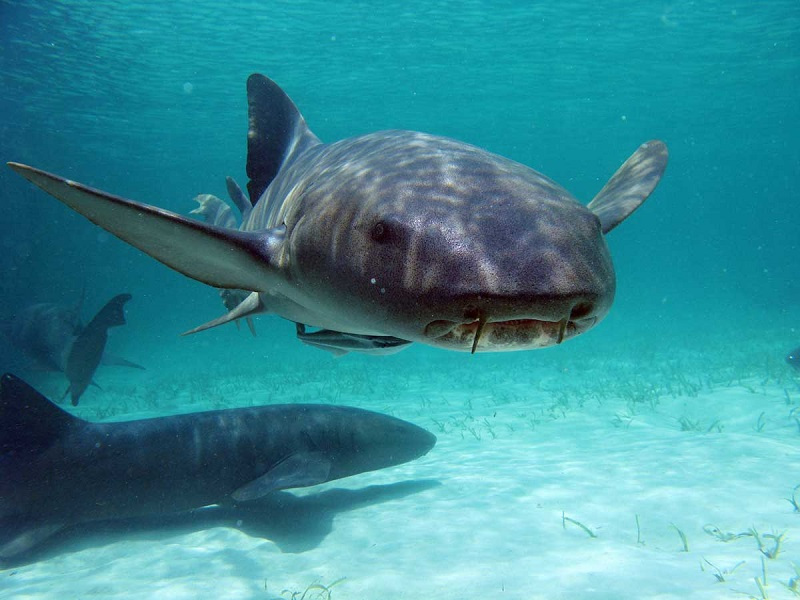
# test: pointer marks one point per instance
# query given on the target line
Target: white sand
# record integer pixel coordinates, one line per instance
(523, 439)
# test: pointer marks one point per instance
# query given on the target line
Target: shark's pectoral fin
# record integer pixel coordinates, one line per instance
(630, 186)
(299, 470)
(252, 305)
(22, 540)
(217, 256)
(251, 326)
(111, 315)
(117, 361)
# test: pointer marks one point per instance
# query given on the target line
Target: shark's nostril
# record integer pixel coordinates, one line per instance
(472, 313)
(581, 310)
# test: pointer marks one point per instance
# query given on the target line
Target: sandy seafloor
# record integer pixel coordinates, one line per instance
(705, 443)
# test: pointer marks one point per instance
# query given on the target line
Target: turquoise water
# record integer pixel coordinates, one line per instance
(147, 101)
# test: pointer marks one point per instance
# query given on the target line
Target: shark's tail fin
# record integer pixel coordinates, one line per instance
(87, 349)
(112, 314)
(117, 361)
(29, 422)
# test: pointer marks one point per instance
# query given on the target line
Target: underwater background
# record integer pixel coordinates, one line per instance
(147, 100)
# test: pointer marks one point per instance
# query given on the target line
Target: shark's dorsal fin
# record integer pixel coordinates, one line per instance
(630, 186)
(29, 422)
(276, 132)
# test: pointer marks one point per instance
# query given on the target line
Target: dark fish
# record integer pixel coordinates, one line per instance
(793, 358)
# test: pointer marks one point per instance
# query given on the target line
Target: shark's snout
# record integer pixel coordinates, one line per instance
(405, 443)
(378, 442)
(425, 442)
(491, 325)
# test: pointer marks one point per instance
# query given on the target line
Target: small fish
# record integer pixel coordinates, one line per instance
(340, 343)
(216, 212)
(793, 358)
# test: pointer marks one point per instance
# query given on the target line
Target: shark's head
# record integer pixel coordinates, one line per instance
(320, 443)
(357, 441)
(434, 241)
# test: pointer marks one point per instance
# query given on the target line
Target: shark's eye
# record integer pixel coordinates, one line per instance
(380, 232)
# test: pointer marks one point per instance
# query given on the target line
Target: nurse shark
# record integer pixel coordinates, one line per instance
(400, 234)
(57, 470)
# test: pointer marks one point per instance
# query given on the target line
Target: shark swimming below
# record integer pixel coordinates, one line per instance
(57, 470)
(53, 337)
(400, 234)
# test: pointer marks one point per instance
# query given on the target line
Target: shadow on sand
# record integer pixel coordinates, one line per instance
(294, 523)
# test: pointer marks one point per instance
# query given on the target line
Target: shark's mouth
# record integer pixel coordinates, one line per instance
(497, 336)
